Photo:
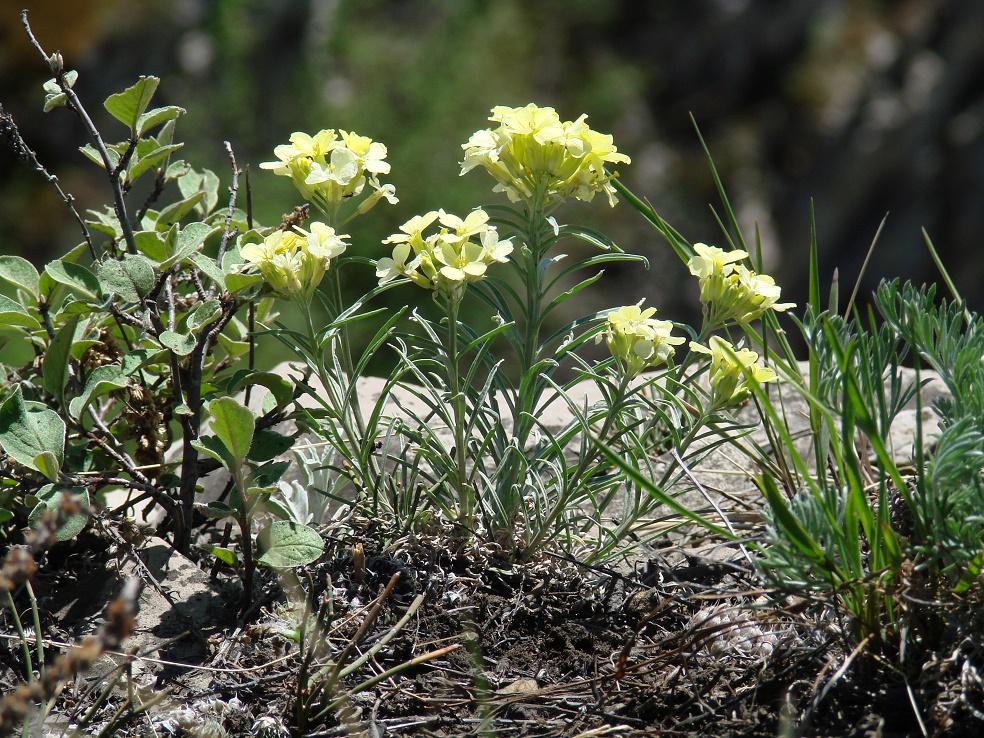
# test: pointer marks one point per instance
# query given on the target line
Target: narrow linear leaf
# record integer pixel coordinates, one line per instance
(970, 575)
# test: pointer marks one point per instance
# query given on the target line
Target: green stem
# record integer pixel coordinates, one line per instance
(334, 401)
(28, 663)
(37, 627)
(466, 497)
(333, 276)
(244, 516)
(584, 463)
(529, 388)
(682, 451)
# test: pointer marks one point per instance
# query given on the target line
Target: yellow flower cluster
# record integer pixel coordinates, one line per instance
(537, 158)
(733, 372)
(293, 262)
(459, 252)
(331, 166)
(730, 290)
(637, 340)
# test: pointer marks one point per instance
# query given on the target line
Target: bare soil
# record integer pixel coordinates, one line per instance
(672, 645)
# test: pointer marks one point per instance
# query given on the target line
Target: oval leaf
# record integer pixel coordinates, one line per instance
(285, 544)
(234, 424)
(131, 278)
(13, 313)
(50, 497)
(54, 366)
(222, 554)
(282, 389)
(21, 273)
(157, 116)
(202, 314)
(28, 430)
(101, 381)
(180, 343)
(75, 277)
(129, 105)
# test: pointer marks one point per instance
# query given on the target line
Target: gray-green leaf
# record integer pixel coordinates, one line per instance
(234, 424)
(190, 240)
(74, 276)
(54, 366)
(129, 105)
(202, 314)
(286, 544)
(176, 211)
(30, 429)
(20, 273)
(13, 313)
(180, 343)
(102, 381)
(50, 497)
(132, 278)
(153, 118)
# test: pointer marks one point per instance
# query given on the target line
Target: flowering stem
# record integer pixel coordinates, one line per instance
(466, 497)
(344, 342)
(563, 502)
(333, 399)
(529, 387)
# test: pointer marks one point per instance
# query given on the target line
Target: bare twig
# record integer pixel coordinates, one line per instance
(227, 231)
(11, 134)
(76, 105)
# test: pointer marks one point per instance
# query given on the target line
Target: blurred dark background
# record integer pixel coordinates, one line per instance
(865, 107)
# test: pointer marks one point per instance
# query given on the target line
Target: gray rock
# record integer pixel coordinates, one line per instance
(178, 609)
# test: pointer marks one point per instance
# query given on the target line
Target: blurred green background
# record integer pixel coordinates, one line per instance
(866, 107)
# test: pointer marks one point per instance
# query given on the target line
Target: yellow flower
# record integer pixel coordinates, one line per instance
(733, 373)
(537, 158)
(448, 260)
(637, 340)
(294, 262)
(329, 168)
(749, 295)
(729, 290)
(712, 266)
(388, 269)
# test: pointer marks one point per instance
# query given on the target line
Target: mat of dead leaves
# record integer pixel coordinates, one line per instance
(672, 644)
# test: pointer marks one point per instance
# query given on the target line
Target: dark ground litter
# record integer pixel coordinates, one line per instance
(549, 649)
